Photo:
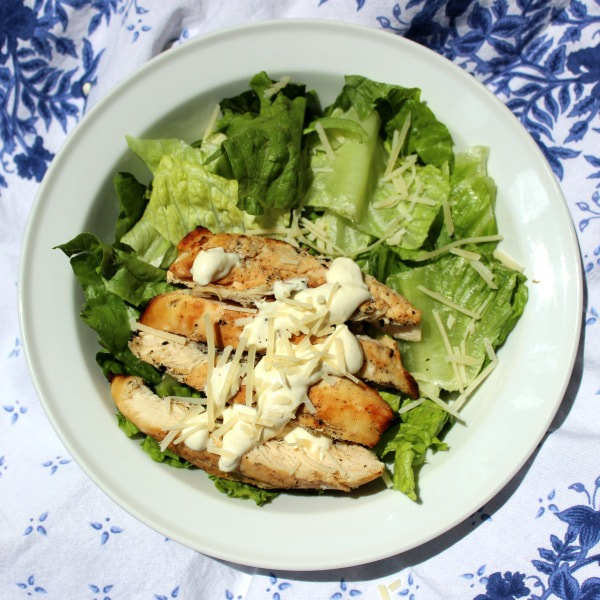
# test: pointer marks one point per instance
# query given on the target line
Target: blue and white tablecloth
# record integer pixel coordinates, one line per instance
(62, 538)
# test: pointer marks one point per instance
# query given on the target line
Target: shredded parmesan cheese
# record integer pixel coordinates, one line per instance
(159, 333)
(443, 300)
(210, 342)
(448, 222)
(485, 273)
(448, 347)
(211, 123)
(467, 254)
(507, 261)
(464, 242)
(277, 86)
(489, 349)
(410, 406)
(398, 139)
(466, 394)
(383, 592)
(324, 140)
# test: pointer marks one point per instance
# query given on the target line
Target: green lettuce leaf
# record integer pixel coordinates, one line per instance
(431, 184)
(114, 283)
(416, 432)
(427, 137)
(345, 184)
(236, 489)
(132, 197)
(185, 194)
(472, 199)
(263, 150)
(454, 278)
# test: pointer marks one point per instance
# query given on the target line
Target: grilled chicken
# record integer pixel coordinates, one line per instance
(344, 410)
(272, 465)
(264, 261)
(182, 313)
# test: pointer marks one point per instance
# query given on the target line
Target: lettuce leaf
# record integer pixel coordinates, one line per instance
(472, 198)
(428, 137)
(431, 184)
(236, 489)
(263, 150)
(454, 278)
(185, 194)
(114, 283)
(345, 183)
(408, 441)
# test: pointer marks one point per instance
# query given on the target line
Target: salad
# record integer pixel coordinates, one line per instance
(374, 177)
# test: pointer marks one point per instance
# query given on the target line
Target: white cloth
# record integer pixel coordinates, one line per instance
(61, 537)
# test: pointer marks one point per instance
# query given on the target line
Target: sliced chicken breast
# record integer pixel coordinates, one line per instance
(343, 409)
(265, 260)
(274, 464)
(182, 313)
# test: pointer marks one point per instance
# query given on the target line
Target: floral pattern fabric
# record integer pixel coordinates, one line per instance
(63, 538)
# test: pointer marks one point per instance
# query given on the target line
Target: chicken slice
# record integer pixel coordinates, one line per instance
(182, 313)
(265, 260)
(274, 464)
(343, 409)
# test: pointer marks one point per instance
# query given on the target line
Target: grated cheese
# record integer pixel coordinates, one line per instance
(243, 321)
(448, 222)
(461, 359)
(507, 261)
(398, 139)
(210, 342)
(235, 307)
(234, 369)
(450, 321)
(250, 375)
(443, 300)
(445, 406)
(485, 273)
(462, 371)
(159, 333)
(466, 394)
(464, 242)
(211, 123)
(324, 140)
(387, 479)
(467, 254)
(489, 349)
(164, 443)
(448, 347)
(383, 592)
(410, 406)
(277, 86)
(321, 234)
(270, 344)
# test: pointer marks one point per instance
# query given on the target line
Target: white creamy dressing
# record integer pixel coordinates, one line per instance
(315, 445)
(284, 373)
(213, 264)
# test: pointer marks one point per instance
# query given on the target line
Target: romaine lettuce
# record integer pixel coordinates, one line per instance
(454, 278)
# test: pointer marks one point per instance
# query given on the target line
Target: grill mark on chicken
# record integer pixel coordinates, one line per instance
(264, 260)
(271, 465)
